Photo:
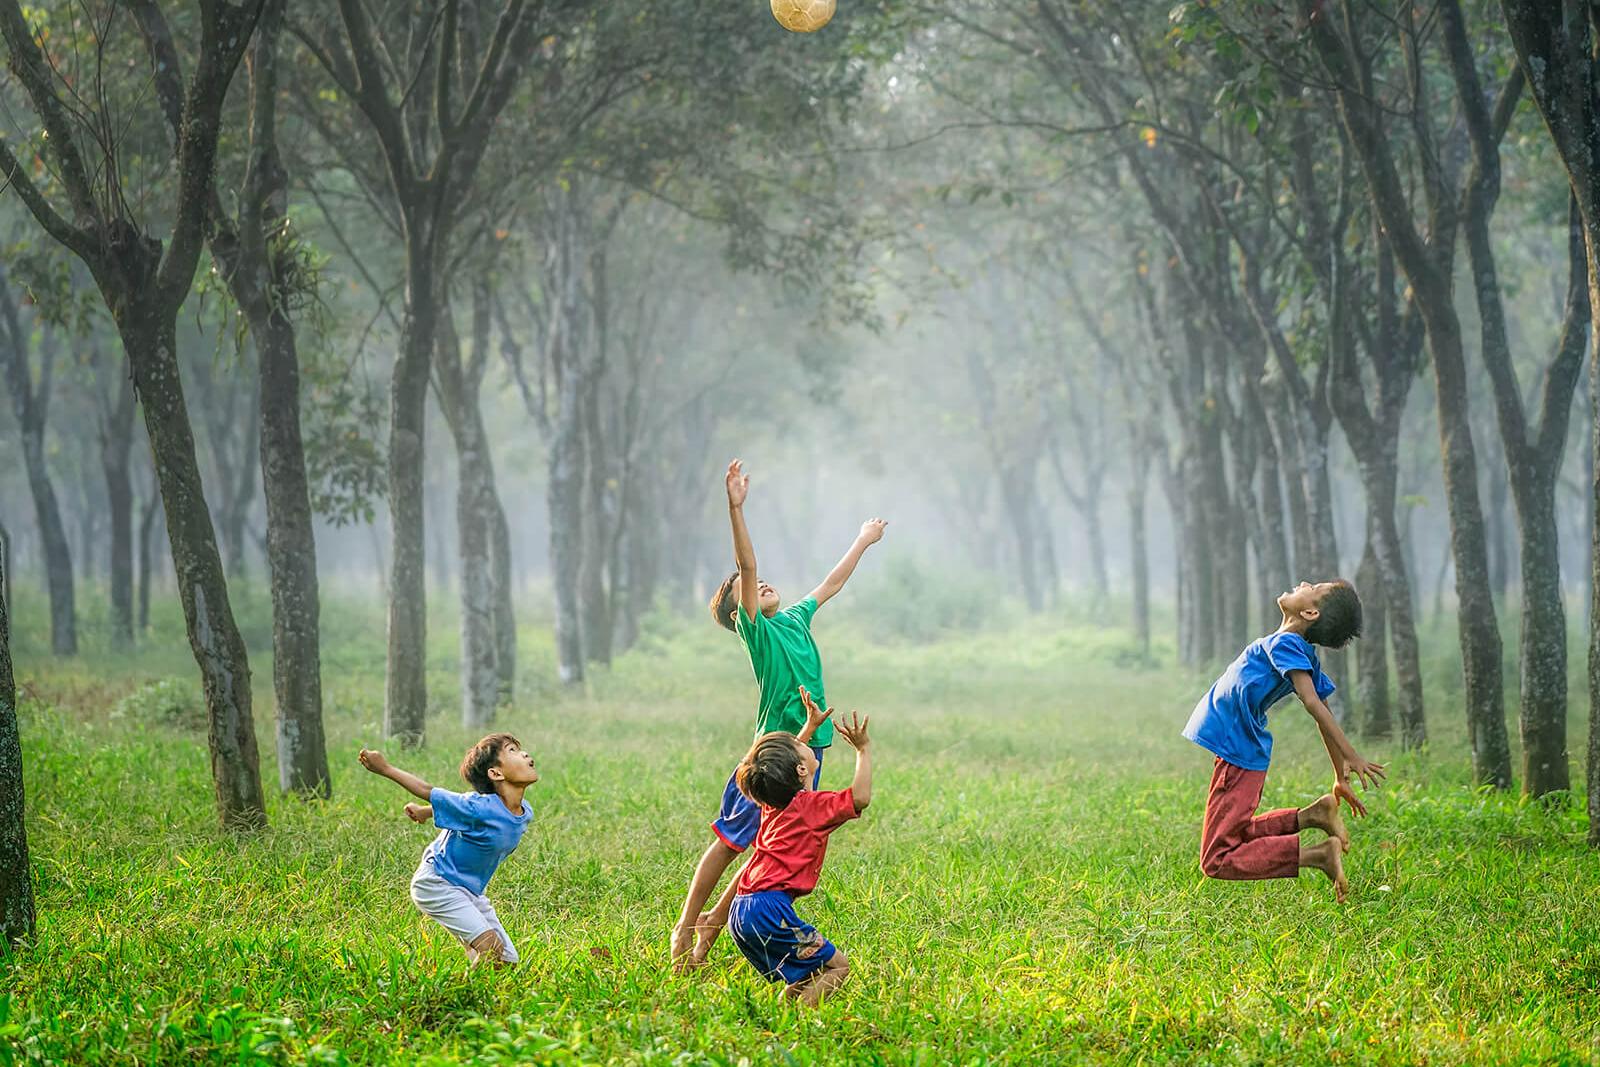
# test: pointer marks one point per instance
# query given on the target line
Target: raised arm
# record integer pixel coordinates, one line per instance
(1346, 760)
(375, 762)
(871, 533)
(855, 732)
(815, 717)
(744, 553)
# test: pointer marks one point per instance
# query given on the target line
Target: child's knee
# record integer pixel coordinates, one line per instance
(1211, 864)
(838, 964)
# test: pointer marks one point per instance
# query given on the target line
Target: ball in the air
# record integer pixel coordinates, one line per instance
(802, 16)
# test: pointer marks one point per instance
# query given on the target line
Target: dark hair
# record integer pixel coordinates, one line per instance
(1339, 621)
(724, 600)
(769, 774)
(480, 757)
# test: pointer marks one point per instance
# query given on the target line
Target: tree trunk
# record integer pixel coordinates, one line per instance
(31, 406)
(1138, 549)
(1372, 665)
(599, 521)
(565, 504)
(505, 619)
(292, 564)
(1480, 636)
(16, 882)
(151, 345)
(475, 511)
(1495, 530)
(1397, 601)
(406, 689)
(147, 524)
(116, 445)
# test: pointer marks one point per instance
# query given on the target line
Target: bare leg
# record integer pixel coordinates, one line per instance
(487, 947)
(811, 991)
(1323, 814)
(707, 873)
(1328, 857)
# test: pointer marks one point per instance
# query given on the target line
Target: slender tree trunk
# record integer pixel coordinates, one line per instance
(31, 405)
(1397, 599)
(147, 524)
(16, 883)
(1372, 665)
(480, 682)
(406, 689)
(116, 445)
(505, 620)
(1495, 530)
(565, 504)
(292, 564)
(599, 521)
(1139, 552)
(151, 345)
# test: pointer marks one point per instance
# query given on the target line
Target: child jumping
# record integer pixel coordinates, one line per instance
(784, 658)
(477, 831)
(1231, 723)
(779, 773)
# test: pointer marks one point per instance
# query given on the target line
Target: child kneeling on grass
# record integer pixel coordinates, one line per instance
(1231, 722)
(477, 831)
(796, 819)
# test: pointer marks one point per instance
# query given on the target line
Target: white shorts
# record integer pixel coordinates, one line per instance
(464, 913)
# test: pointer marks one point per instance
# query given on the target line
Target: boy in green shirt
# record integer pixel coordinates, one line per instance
(787, 665)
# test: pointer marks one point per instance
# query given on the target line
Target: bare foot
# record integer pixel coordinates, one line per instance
(1323, 814)
(1328, 858)
(682, 943)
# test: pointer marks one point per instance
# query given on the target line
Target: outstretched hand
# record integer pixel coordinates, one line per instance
(872, 530)
(738, 483)
(854, 731)
(1369, 773)
(419, 812)
(1342, 791)
(374, 761)
(815, 716)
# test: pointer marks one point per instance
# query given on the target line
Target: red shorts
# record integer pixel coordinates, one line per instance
(1236, 842)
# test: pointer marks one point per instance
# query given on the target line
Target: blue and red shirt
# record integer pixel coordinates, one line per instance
(793, 840)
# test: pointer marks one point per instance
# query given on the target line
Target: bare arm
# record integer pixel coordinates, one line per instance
(815, 717)
(855, 732)
(744, 553)
(1341, 752)
(375, 762)
(871, 533)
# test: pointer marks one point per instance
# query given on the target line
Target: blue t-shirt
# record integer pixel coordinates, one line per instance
(476, 832)
(1231, 719)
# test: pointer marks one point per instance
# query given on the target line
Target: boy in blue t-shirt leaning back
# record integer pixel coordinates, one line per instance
(1231, 722)
(477, 831)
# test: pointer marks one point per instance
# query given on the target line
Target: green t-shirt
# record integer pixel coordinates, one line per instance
(784, 658)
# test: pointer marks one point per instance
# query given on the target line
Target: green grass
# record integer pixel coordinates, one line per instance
(1024, 889)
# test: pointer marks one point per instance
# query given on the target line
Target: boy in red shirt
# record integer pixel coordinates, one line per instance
(796, 820)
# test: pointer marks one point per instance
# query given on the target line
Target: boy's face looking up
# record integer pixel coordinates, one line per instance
(769, 597)
(515, 767)
(1303, 600)
(808, 764)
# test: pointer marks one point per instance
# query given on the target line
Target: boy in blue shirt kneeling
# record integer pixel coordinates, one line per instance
(1231, 722)
(477, 831)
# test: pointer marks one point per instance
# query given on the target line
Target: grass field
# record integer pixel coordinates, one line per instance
(1024, 889)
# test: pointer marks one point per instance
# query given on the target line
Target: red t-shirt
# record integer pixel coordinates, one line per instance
(792, 841)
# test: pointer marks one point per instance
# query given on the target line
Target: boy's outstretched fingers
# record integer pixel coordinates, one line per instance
(1342, 791)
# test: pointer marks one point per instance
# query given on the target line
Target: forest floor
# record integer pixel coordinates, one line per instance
(1024, 889)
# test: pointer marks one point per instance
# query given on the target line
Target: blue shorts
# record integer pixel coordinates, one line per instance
(740, 817)
(776, 941)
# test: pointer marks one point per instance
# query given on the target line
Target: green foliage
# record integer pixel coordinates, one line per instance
(914, 601)
(165, 702)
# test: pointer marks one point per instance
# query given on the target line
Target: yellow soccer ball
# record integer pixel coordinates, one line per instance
(802, 16)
